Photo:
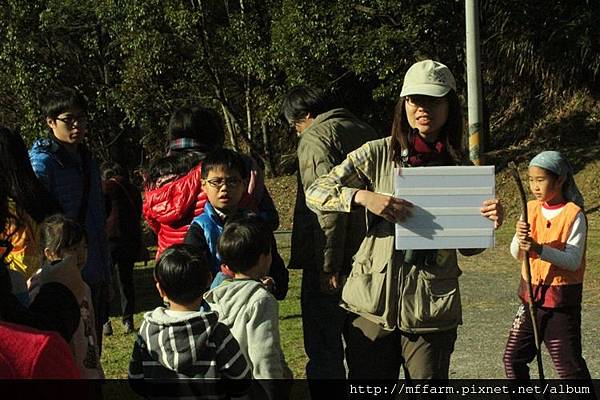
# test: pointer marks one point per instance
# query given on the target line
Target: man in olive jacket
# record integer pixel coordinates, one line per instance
(323, 244)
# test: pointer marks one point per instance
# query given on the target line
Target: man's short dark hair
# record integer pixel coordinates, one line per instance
(224, 158)
(183, 272)
(62, 99)
(244, 239)
(301, 101)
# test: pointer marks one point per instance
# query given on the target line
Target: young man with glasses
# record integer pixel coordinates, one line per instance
(67, 169)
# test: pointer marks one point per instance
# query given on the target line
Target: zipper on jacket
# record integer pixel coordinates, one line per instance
(400, 285)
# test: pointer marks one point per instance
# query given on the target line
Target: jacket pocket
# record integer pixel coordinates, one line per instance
(364, 290)
(438, 300)
(430, 304)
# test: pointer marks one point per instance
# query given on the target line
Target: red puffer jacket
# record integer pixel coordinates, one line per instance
(169, 209)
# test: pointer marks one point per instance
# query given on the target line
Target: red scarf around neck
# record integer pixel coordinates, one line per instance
(423, 154)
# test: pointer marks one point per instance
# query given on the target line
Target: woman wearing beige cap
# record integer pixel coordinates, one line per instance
(404, 305)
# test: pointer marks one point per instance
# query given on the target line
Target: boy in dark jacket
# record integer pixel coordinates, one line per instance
(222, 181)
(180, 342)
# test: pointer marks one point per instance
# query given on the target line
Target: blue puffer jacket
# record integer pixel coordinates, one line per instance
(62, 175)
(212, 226)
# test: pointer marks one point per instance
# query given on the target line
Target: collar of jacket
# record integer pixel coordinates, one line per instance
(219, 217)
(331, 114)
(186, 144)
(59, 153)
(214, 214)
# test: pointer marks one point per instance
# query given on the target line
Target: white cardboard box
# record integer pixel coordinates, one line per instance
(446, 203)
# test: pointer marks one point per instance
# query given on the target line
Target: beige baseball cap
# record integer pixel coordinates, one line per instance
(428, 78)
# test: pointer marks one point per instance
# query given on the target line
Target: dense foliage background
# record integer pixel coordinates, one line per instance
(136, 60)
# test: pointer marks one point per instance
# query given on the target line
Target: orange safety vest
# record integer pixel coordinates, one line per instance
(552, 286)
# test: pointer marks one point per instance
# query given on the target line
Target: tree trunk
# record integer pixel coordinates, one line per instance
(248, 110)
(267, 148)
(228, 125)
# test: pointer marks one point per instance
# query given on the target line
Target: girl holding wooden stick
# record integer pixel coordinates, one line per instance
(554, 239)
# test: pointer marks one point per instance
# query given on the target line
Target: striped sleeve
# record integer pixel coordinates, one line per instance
(231, 362)
(335, 190)
(135, 364)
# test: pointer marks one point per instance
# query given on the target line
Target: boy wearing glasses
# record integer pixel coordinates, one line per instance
(222, 181)
(222, 172)
(67, 169)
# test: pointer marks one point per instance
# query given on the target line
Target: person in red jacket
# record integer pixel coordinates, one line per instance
(173, 194)
(41, 355)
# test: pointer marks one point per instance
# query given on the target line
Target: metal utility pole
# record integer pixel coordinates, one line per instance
(474, 92)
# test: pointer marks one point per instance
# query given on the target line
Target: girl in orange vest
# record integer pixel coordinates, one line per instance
(554, 237)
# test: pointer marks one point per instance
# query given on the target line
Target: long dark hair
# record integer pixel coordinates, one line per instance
(451, 133)
(59, 233)
(197, 123)
(23, 186)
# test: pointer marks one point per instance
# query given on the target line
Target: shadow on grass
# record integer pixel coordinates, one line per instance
(146, 296)
(293, 316)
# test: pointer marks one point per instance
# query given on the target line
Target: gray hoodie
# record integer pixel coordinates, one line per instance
(190, 345)
(252, 314)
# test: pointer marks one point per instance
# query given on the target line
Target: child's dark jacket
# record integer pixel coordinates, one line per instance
(192, 346)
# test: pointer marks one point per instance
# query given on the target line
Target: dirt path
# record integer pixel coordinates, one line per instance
(488, 288)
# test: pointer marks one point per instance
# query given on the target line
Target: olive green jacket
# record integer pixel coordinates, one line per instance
(381, 287)
(327, 241)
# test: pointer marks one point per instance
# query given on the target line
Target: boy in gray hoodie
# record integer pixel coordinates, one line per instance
(243, 303)
(180, 342)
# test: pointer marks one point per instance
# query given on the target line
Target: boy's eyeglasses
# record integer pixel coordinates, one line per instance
(5, 249)
(70, 120)
(219, 182)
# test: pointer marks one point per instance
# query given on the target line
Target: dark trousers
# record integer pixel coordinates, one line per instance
(372, 353)
(322, 322)
(101, 305)
(124, 269)
(559, 329)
